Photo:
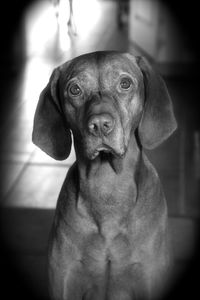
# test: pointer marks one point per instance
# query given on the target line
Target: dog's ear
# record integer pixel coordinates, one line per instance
(50, 130)
(158, 121)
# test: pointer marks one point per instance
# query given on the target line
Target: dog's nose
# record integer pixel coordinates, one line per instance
(101, 124)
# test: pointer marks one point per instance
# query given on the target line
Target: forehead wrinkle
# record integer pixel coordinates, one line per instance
(80, 66)
(119, 64)
(114, 70)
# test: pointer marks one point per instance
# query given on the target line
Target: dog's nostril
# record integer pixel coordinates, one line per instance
(93, 127)
(107, 126)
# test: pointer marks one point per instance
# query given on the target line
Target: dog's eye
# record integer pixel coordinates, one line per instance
(125, 83)
(75, 90)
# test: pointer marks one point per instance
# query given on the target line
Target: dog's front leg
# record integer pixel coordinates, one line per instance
(69, 278)
(64, 280)
(65, 269)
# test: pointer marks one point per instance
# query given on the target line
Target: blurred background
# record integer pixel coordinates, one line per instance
(37, 36)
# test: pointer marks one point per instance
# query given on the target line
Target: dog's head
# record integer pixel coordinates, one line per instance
(103, 98)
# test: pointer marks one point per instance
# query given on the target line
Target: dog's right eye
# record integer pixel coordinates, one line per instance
(75, 90)
(125, 83)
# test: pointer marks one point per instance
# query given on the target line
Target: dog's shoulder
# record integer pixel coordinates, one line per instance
(150, 189)
(69, 188)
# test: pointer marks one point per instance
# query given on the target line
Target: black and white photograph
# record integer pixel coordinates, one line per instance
(99, 150)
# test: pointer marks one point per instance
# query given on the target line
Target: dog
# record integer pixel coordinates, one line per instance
(109, 239)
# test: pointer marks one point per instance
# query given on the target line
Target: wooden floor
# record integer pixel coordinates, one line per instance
(31, 180)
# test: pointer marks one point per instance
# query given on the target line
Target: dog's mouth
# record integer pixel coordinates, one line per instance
(105, 152)
(106, 147)
(108, 155)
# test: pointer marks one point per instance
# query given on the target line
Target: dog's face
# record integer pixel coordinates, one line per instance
(103, 97)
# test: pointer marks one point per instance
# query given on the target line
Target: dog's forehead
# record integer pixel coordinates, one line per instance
(116, 64)
(100, 64)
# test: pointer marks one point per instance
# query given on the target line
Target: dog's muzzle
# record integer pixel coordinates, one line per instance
(104, 135)
(103, 132)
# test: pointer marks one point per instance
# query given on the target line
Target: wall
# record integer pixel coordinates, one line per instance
(155, 32)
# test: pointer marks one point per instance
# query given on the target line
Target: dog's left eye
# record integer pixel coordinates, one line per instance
(75, 90)
(125, 83)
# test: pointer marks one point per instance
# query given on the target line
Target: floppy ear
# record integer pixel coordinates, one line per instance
(50, 131)
(158, 121)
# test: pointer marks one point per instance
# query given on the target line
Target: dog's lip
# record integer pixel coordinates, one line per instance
(107, 150)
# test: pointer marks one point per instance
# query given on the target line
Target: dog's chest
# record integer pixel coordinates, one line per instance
(109, 195)
(105, 238)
